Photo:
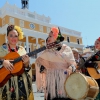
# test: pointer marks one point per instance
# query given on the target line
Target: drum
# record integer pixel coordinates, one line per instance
(79, 86)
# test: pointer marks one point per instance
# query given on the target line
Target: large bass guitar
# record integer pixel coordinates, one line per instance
(5, 74)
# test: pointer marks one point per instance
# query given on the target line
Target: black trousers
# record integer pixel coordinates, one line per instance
(61, 99)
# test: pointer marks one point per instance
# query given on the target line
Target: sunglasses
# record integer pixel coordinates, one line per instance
(12, 36)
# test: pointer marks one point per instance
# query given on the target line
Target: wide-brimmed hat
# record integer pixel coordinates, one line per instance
(74, 49)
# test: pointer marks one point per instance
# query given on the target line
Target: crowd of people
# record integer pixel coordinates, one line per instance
(53, 67)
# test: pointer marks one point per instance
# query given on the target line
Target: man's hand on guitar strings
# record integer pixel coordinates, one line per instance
(8, 65)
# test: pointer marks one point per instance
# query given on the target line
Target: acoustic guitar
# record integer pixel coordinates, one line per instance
(92, 65)
(5, 74)
(95, 70)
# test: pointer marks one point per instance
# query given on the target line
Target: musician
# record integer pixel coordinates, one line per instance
(17, 87)
(97, 47)
(80, 61)
(92, 62)
(59, 63)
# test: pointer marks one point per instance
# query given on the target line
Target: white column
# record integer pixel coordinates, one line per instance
(6, 38)
(30, 47)
(24, 44)
(38, 46)
(27, 44)
(45, 43)
(20, 43)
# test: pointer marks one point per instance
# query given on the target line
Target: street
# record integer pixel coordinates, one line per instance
(37, 96)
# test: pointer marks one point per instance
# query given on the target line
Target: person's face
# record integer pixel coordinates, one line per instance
(50, 38)
(75, 54)
(12, 37)
(97, 44)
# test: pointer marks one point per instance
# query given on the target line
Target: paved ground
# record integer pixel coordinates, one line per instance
(37, 96)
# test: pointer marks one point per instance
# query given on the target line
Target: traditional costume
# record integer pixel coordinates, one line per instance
(17, 87)
(56, 62)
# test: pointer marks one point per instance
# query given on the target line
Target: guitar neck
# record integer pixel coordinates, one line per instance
(49, 46)
(36, 51)
(30, 54)
(92, 58)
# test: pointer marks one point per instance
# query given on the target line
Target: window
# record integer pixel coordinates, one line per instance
(48, 29)
(29, 48)
(68, 39)
(41, 28)
(21, 23)
(78, 41)
(11, 20)
(32, 26)
(3, 21)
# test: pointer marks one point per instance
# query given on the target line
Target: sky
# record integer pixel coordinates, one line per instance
(79, 15)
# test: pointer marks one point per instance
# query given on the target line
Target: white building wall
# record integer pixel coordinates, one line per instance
(33, 17)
